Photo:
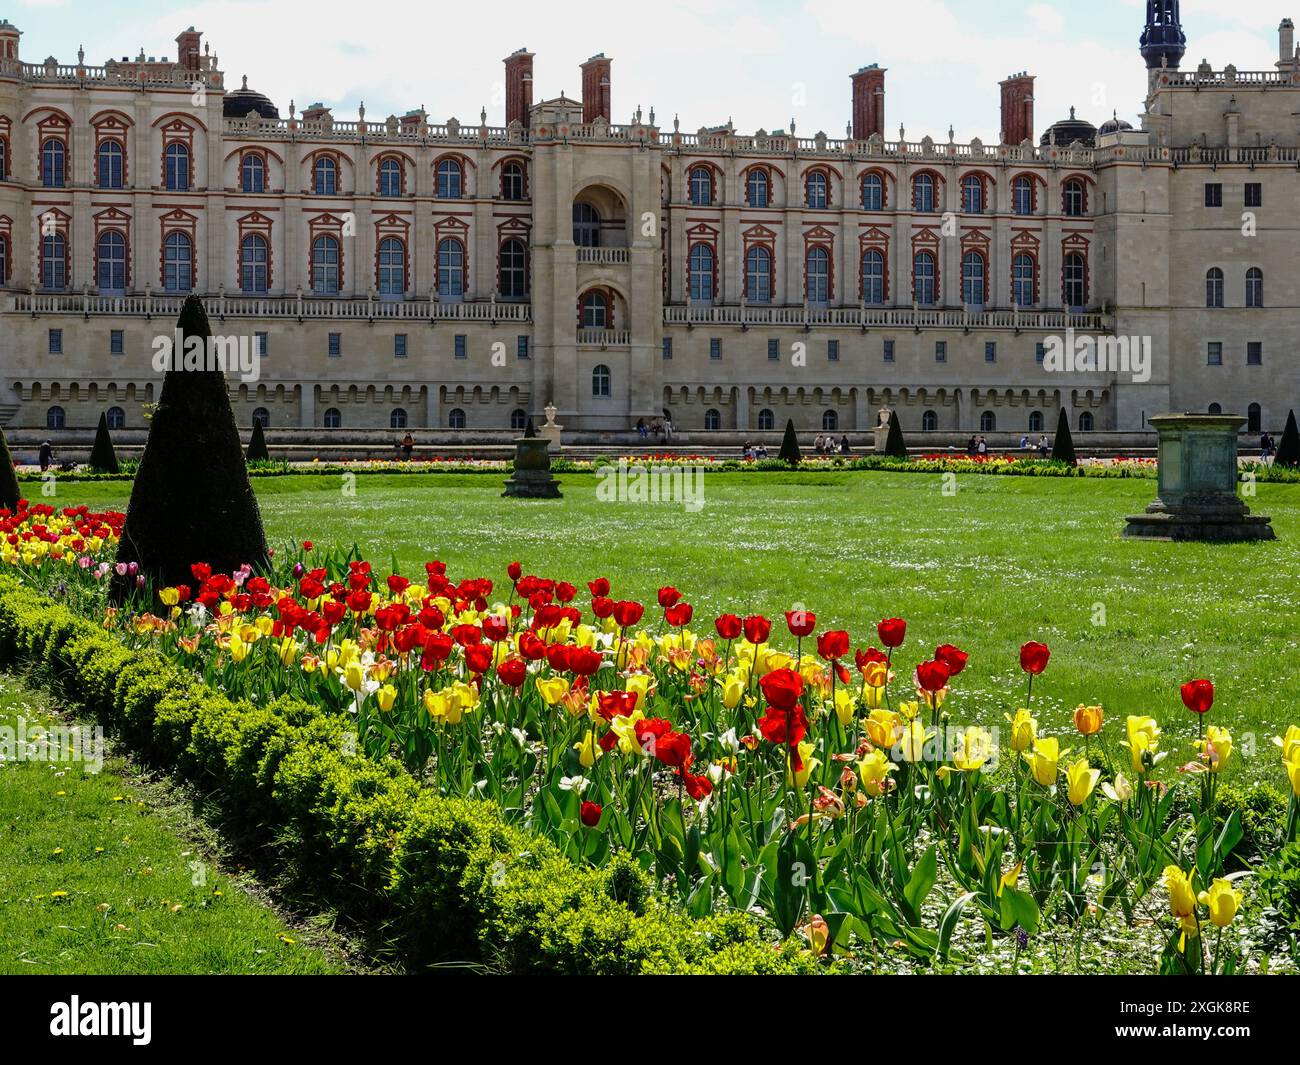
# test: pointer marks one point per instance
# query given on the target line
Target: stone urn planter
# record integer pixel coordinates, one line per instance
(532, 477)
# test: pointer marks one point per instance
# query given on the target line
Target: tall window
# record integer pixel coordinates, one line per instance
(758, 189)
(262, 417)
(1086, 421)
(1254, 418)
(972, 194)
(1074, 280)
(1214, 287)
(972, 279)
(1022, 196)
(397, 420)
(513, 264)
(450, 183)
(830, 421)
(701, 190)
(512, 181)
(333, 419)
(54, 160)
(252, 173)
(923, 193)
(176, 168)
(325, 176)
(1073, 198)
(390, 178)
(54, 262)
(595, 311)
(110, 262)
(1022, 280)
(929, 421)
(600, 381)
(988, 422)
(4, 262)
(923, 287)
(4, 160)
(518, 418)
(254, 256)
(115, 417)
(108, 165)
(55, 418)
(766, 420)
(1035, 421)
(873, 193)
(451, 269)
(178, 263)
(758, 275)
(712, 420)
(456, 418)
(818, 276)
(586, 226)
(701, 273)
(325, 266)
(819, 193)
(873, 277)
(1254, 287)
(391, 262)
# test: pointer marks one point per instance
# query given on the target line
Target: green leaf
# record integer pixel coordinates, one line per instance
(921, 882)
(948, 924)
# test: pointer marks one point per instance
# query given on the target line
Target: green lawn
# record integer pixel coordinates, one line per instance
(1004, 560)
(95, 878)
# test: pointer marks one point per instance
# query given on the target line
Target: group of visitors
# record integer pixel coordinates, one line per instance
(661, 428)
(755, 451)
(977, 445)
(827, 445)
(1043, 447)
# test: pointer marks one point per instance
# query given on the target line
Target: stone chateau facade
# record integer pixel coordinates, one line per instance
(402, 272)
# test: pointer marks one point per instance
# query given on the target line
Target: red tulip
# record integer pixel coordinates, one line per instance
(513, 671)
(728, 626)
(669, 596)
(800, 622)
(891, 632)
(952, 657)
(557, 657)
(515, 571)
(782, 688)
(932, 676)
(1033, 657)
(602, 607)
(590, 814)
(532, 646)
(627, 613)
(756, 628)
(496, 628)
(784, 727)
(564, 592)
(598, 588)
(679, 614)
(584, 661)
(1198, 696)
(478, 657)
(833, 644)
(615, 704)
(698, 788)
(307, 545)
(862, 659)
(674, 749)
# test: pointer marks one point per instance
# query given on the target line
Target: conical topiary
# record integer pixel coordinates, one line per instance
(1063, 445)
(103, 459)
(1288, 450)
(895, 447)
(257, 451)
(9, 492)
(790, 446)
(192, 501)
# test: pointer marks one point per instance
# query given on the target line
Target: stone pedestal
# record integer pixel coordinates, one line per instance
(550, 432)
(532, 477)
(1197, 486)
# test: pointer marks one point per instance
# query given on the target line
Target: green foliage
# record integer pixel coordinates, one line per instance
(257, 451)
(1262, 807)
(895, 448)
(103, 458)
(1288, 449)
(789, 453)
(9, 493)
(1063, 445)
(1278, 882)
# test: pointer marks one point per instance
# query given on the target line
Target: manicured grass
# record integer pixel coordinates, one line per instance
(95, 879)
(1004, 560)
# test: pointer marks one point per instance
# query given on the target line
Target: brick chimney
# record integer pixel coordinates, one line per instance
(519, 86)
(1286, 44)
(188, 49)
(595, 89)
(1018, 108)
(868, 102)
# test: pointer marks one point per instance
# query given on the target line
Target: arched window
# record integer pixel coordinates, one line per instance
(600, 381)
(512, 263)
(397, 420)
(972, 279)
(923, 193)
(254, 274)
(766, 420)
(1254, 418)
(1254, 287)
(450, 180)
(1074, 280)
(1085, 421)
(110, 262)
(333, 419)
(586, 226)
(758, 274)
(54, 262)
(701, 186)
(830, 421)
(54, 162)
(325, 266)
(1022, 196)
(262, 417)
(451, 269)
(972, 194)
(178, 263)
(176, 168)
(923, 287)
(758, 189)
(1073, 198)
(518, 418)
(817, 283)
(1214, 287)
(4, 160)
(391, 263)
(712, 420)
(819, 190)
(390, 178)
(595, 311)
(873, 277)
(701, 273)
(252, 173)
(1215, 409)
(988, 422)
(325, 176)
(108, 165)
(455, 418)
(929, 421)
(4, 262)
(55, 418)
(1022, 281)
(873, 193)
(115, 417)
(1035, 421)
(513, 181)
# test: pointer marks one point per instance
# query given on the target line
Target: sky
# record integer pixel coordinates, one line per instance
(759, 63)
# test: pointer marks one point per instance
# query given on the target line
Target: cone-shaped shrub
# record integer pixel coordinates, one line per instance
(1288, 451)
(895, 446)
(8, 476)
(790, 445)
(103, 458)
(257, 451)
(1063, 445)
(192, 501)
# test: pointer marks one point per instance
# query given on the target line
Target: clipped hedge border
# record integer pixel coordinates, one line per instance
(446, 879)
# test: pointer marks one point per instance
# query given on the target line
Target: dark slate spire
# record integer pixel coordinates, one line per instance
(1163, 40)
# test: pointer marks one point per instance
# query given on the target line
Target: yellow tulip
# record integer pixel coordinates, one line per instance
(1293, 774)
(552, 689)
(1010, 878)
(1143, 743)
(1043, 760)
(882, 728)
(1088, 719)
(844, 706)
(589, 751)
(1024, 730)
(1182, 902)
(354, 675)
(1080, 780)
(807, 765)
(624, 727)
(1222, 902)
(288, 652)
(1290, 743)
(169, 596)
(874, 769)
(733, 690)
(912, 745)
(974, 748)
(386, 697)
(238, 648)
(641, 684)
(1216, 748)
(1120, 791)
